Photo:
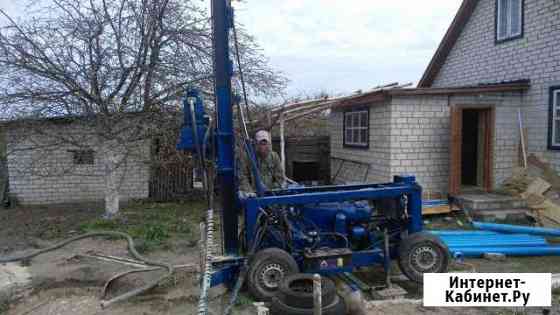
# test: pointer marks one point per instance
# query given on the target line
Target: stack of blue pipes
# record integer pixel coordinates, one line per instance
(491, 238)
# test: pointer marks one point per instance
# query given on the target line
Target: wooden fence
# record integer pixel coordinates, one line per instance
(172, 182)
(307, 160)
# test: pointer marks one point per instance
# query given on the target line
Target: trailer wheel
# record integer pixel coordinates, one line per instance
(422, 253)
(267, 269)
(297, 291)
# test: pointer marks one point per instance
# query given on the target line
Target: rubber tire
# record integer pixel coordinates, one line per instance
(261, 259)
(337, 307)
(420, 239)
(288, 296)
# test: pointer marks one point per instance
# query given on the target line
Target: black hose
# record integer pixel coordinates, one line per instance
(339, 235)
(259, 234)
(131, 249)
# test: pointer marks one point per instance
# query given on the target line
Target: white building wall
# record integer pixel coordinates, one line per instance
(411, 135)
(476, 58)
(420, 140)
(376, 157)
(41, 172)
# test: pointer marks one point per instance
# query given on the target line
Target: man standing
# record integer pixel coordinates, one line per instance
(268, 164)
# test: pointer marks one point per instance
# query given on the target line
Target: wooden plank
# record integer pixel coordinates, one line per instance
(489, 153)
(456, 125)
(436, 210)
(523, 142)
(537, 187)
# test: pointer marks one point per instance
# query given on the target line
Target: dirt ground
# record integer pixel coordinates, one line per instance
(67, 282)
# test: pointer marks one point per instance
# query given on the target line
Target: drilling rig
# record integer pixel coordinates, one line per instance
(327, 230)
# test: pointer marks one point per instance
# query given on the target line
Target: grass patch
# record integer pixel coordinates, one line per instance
(153, 225)
(4, 307)
(244, 300)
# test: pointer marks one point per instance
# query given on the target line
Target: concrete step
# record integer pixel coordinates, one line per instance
(490, 202)
(514, 215)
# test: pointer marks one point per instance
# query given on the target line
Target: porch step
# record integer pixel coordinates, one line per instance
(490, 202)
(511, 215)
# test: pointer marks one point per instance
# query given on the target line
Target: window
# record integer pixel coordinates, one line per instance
(83, 157)
(356, 129)
(509, 19)
(554, 119)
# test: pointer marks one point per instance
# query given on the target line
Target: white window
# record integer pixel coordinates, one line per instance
(554, 128)
(356, 125)
(509, 19)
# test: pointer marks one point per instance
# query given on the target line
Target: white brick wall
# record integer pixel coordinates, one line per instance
(43, 175)
(378, 154)
(476, 58)
(420, 140)
(411, 135)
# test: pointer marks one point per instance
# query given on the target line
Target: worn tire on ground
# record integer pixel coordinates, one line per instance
(266, 270)
(422, 253)
(297, 290)
(337, 307)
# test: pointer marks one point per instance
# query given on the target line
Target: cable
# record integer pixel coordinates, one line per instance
(340, 235)
(131, 249)
(259, 234)
(238, 57)
(201, 154)
(249, 150)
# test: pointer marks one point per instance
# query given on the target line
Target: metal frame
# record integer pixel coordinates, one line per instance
(356, 109)
(226, 269)
(402, 185)
(554, 96)
(498, 40)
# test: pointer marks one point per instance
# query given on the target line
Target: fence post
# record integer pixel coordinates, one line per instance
(317, 303)
(261, 308)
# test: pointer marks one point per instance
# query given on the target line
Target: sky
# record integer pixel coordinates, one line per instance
(340, 46)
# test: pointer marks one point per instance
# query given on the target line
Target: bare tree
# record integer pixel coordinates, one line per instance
(101, 60)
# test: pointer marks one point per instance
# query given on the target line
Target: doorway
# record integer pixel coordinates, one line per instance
(472, 130)
(305, 171)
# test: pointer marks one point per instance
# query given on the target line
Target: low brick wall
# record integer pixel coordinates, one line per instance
(48, 175)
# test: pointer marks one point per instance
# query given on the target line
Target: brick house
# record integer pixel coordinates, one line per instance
(57, 160)
(459, 129)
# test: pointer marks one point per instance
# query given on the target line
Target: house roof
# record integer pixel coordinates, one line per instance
(68, 119)
(301, 109)
(447, 43)
(385, 94)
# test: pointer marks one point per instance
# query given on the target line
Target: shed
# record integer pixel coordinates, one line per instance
(450, 138)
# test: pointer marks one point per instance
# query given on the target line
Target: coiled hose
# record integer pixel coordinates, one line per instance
(131, 249)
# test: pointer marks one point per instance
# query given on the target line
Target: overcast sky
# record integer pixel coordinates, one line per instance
(339, 46)
(344, 45)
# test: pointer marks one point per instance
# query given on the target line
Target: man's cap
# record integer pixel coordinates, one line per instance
(262, 135)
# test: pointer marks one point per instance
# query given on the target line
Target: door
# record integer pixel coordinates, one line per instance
(471, 148)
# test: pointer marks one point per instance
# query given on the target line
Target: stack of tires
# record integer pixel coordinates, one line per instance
(273, 277)
(295, 297)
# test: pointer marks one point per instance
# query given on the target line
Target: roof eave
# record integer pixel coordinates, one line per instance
(364, 100)
(497, 88)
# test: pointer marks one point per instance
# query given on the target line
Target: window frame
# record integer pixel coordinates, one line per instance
(83, 157)
(355, 145)
(507, 38)
(554, 104)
